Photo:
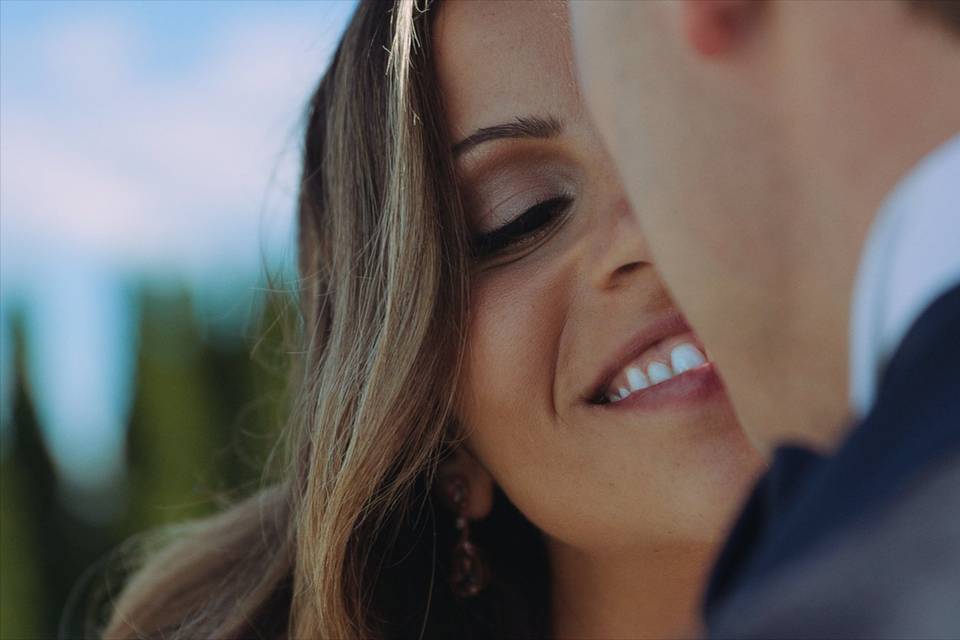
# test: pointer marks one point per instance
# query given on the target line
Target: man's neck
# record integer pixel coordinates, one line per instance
(852, 157)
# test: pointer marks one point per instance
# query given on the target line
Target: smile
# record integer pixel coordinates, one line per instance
(652, 369)
(664, 363)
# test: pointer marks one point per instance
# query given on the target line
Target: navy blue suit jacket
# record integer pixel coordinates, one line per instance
(856, 502)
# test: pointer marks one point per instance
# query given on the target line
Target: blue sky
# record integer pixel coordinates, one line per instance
(140, 141)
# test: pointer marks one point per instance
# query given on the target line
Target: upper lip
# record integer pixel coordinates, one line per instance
(665, 326)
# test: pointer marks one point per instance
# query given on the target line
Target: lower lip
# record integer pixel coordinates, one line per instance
(690, 387)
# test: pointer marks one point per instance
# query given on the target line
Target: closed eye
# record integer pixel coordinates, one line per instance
(523, 230)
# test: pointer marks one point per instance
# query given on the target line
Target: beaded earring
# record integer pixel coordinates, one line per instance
(469, 573)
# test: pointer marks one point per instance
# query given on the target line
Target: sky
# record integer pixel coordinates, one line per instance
(140, 142)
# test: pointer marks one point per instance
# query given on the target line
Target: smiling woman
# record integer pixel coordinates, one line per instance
(474, 292)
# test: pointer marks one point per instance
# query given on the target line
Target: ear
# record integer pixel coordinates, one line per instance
(714, 28)
(478, 480)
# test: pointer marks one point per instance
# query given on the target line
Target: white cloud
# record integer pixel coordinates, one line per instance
(154, 171)
(88, 56)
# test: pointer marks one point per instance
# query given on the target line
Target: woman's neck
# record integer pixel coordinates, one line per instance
(651, 592)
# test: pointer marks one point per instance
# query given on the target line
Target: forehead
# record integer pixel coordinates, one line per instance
(498, 61)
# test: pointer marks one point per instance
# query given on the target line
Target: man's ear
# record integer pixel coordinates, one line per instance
(713, 28)
(479, 482)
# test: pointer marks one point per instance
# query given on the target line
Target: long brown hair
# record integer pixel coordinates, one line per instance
(350, 544)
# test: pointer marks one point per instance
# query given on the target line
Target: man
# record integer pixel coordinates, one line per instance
(796, 167)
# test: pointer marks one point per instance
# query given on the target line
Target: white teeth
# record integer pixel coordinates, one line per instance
(658, 372)
(636, 379)
(685, 357)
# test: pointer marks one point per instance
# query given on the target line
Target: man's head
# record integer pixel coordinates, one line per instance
(756, 140)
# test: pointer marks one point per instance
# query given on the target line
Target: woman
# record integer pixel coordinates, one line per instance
(505, 427)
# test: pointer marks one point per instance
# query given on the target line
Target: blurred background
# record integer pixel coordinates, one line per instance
(149, 159)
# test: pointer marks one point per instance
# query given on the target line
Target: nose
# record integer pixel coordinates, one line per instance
(619, 249)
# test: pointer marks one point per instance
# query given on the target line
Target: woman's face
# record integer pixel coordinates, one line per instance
(567, 308)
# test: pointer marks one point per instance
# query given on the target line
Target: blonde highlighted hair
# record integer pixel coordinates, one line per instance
(350, 544)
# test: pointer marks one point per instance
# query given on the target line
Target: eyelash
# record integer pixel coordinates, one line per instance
(524, 229)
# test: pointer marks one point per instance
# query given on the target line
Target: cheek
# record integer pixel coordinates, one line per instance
(507, 398)
(514, 327)
(588, 485)
(518, 321)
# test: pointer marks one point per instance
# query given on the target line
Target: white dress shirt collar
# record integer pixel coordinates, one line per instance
(911, 256)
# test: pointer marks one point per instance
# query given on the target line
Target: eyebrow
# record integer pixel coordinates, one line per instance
(523, 127)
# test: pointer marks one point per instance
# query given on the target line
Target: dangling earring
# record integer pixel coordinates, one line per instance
(468, 570)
